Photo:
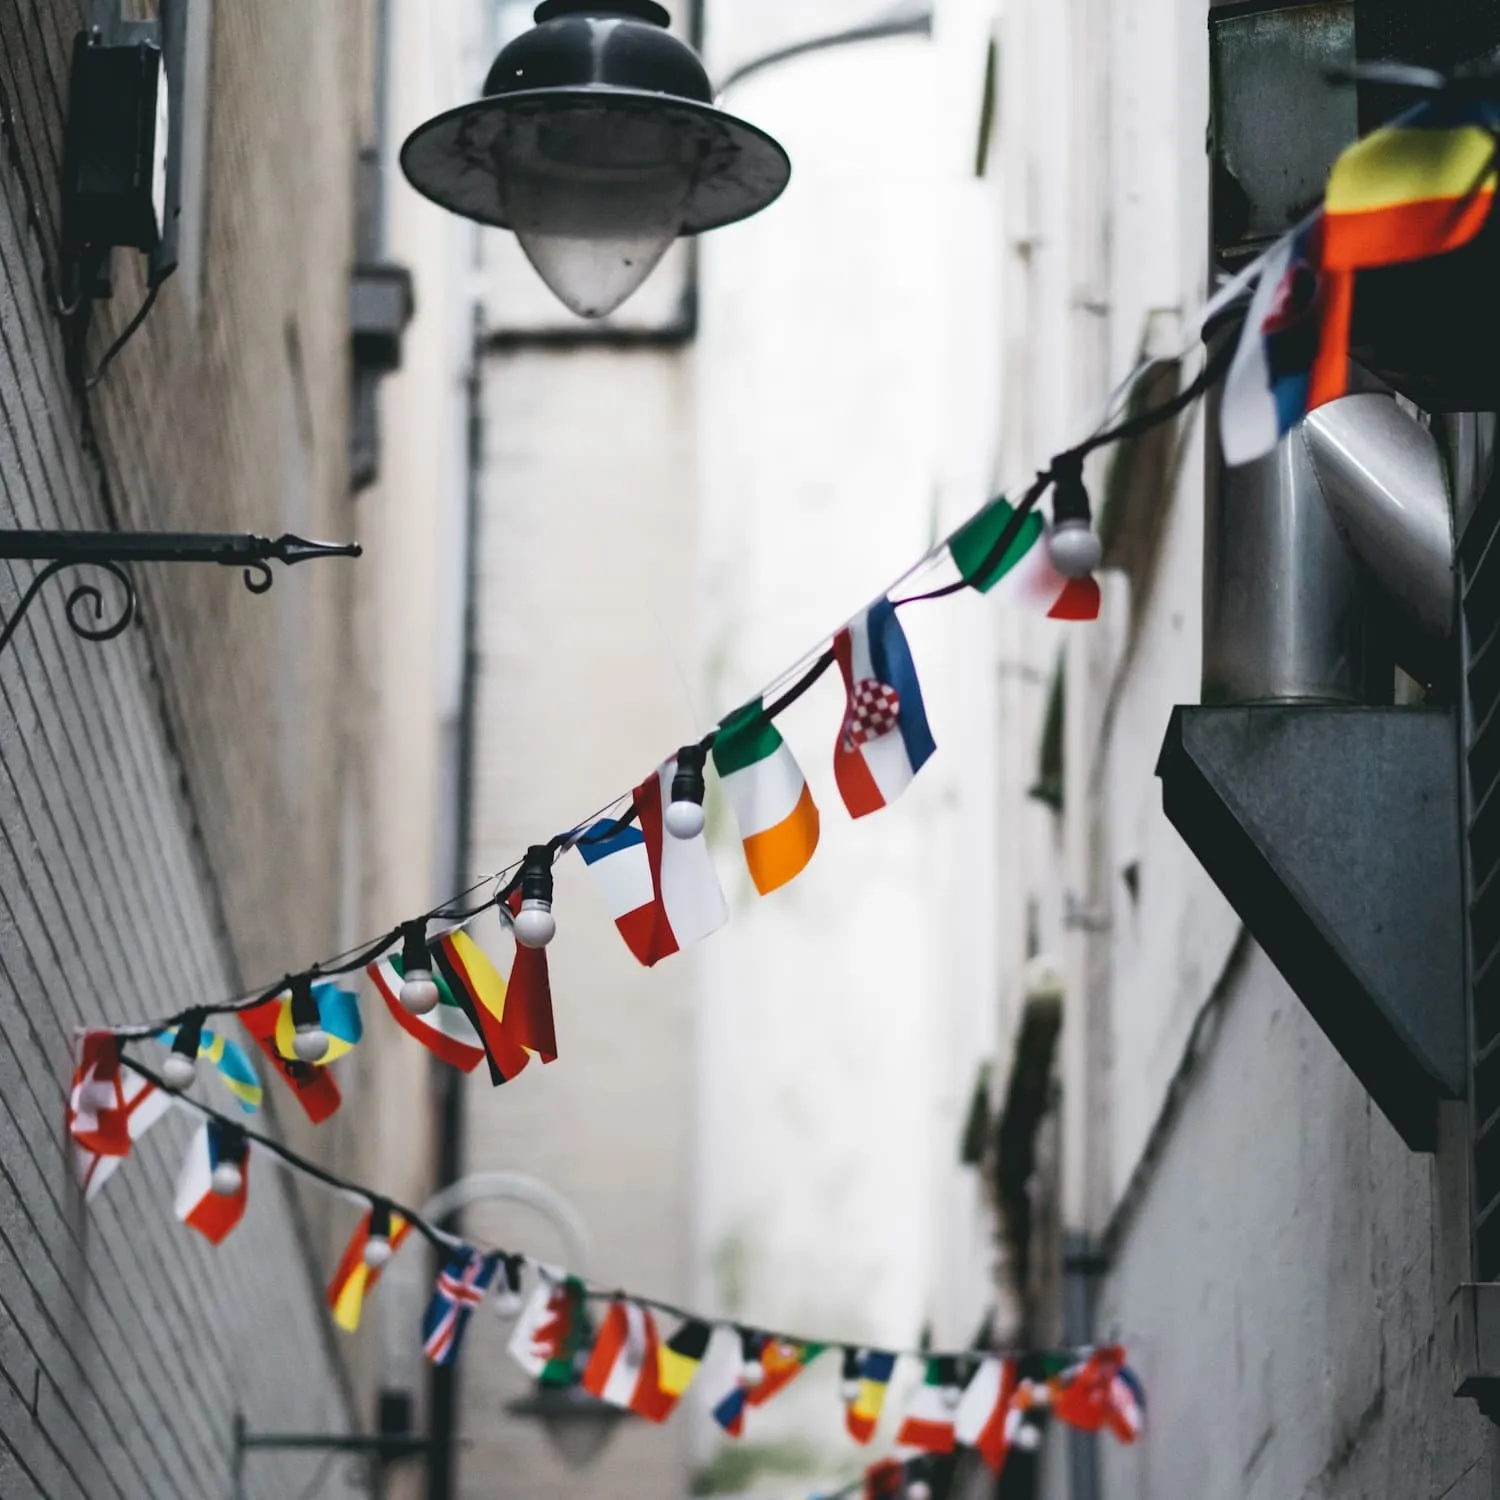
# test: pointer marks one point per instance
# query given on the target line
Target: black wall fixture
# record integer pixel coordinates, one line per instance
(1333, 833)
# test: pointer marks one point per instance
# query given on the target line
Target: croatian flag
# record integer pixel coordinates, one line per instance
(460, 1290)
(213, 1215)
(1294, 352)
(663, 892)
(884, 740)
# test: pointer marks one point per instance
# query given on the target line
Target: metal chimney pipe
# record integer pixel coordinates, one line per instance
(1287, 613)
(1382, 477)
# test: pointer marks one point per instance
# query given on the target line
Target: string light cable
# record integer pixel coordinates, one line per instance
(1063, 474)
(444, 1242)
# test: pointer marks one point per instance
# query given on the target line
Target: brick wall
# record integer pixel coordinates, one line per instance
(170, 802)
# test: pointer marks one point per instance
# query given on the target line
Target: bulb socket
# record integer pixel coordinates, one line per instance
(181, 1065)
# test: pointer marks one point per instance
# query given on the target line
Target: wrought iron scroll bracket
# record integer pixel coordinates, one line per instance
(114, 552)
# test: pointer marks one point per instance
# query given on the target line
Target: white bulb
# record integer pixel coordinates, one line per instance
(508, 1304)
(378, 1254)
(684, 820)
(1075, 549)
(535, 925)
(752, 1373)
(1028, 1437)
(178, 1071)
(919, 1489)
(952, 1396)
(419, 993)
(227, 1179)
(849, 1390)
(310, 1043)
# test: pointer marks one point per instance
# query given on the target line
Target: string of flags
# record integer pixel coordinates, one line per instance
(1419, 187)
(638, 1354)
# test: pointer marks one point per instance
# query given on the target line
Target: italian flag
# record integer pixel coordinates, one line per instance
(929, 1422)
(446, 1031)
(1025, 567)
(765, 786)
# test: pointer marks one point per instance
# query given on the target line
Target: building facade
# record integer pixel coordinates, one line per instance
(186, 810)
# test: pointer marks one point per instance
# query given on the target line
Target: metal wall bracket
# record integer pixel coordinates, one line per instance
(114, 551)
(1334, 834)
(1474, 1327)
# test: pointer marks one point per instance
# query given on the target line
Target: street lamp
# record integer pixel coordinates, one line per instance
(598, 144)
(577, 1424)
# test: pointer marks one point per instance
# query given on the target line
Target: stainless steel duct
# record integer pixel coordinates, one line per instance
(1288, 616)
(1381, 474)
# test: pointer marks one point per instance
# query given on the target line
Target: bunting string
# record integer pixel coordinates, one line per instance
(987, 1399)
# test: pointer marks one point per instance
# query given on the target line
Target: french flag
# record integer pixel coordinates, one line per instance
(884, 740)
(213, 1215)
(662, 892)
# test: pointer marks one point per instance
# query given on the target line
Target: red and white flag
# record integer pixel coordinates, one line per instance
(214, 1215)
(623, 1369)
(144, 1105)
(96, 1106)
(980, 1422)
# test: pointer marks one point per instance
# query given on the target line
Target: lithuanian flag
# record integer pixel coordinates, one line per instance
(768, 792)
(1421, 186)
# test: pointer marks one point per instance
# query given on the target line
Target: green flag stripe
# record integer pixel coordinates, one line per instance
(973, 543)
(745, 740)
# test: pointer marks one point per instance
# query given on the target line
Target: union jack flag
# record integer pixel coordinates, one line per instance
(460, 1289)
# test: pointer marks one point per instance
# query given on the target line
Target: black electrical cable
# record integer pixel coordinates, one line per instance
(353, 960)
(594, 1291)
(127, 333)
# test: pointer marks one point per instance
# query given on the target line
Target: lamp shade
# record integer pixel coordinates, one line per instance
(597, 143)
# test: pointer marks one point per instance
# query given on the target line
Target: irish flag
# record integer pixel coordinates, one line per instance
(662, 892)
(768, 792)
(446, 1031)
(1025, 567)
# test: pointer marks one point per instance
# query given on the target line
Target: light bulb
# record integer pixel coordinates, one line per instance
(919, 1489)
(227, 1179)
(684, 814)
(1075, 548)
(178, 1071)
(508, 1304)
(684, 820)
(419, 992)
(310, 1043)
(752, 1373)
(1028, 1437)
(508, 1301)
(534, 924)
(849, 1376)
(849, 1390)
(182, 1061)
(377, 1253)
